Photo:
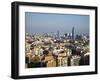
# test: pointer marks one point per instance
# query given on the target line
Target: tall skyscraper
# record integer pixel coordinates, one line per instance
(73, 33)
(57, 34)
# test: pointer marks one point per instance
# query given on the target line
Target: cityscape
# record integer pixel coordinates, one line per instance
(56, 48)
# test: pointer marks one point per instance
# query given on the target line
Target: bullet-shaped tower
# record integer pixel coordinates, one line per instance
(73, 33)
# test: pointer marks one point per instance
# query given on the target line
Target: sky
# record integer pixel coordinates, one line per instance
(50, 22)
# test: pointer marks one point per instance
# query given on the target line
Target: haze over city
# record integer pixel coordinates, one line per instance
(47, 23)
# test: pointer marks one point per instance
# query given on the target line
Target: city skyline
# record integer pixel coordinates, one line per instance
(47, 23)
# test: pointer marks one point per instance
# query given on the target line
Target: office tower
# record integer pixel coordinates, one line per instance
(57, 34)
(69, 35)
(73, 33)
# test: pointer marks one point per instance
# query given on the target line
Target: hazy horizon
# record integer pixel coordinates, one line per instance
(47, 23)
